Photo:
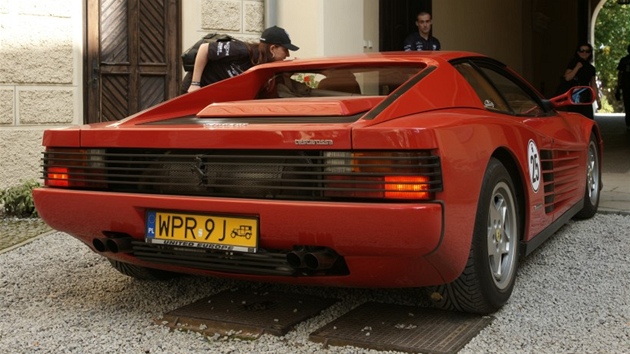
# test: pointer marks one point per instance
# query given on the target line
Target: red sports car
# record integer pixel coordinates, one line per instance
(420, 169)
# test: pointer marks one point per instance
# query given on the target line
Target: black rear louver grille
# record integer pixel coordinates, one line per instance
(260, 174)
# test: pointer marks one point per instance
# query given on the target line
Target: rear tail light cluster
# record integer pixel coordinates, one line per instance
(74, 168)
(389, 175)
(259, 174)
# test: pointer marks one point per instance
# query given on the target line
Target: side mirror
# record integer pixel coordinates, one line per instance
(582, 95)
(578, 95)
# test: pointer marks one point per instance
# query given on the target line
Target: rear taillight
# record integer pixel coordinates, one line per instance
(74, 168)
(385, 175)
(407, 187)
(57, 177)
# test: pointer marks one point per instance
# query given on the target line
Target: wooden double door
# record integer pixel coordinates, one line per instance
(132, 56)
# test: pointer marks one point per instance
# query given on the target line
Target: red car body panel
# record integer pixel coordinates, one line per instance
(384, 244)
(286, 224)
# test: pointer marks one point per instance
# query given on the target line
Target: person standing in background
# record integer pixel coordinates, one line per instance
(422, 39)
(580, 72)
(623, 85)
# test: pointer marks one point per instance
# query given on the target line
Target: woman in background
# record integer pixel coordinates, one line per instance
(580, 72)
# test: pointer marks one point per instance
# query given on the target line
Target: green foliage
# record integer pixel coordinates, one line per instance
(612, 37)
(18, 200)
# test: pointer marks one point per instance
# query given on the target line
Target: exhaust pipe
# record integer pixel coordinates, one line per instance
(100, 244)
(120, 244)
(295, 258)
(112, 244)
(320, 260)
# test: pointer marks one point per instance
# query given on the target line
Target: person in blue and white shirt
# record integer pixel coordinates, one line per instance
(422, 40)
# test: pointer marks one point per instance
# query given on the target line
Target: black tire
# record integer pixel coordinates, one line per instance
(141, 273)
(593, 181)
(488, 278)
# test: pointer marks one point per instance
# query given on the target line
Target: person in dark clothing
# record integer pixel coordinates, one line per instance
(422, 39)
(580, 72)
(220, 60)
(623, 85)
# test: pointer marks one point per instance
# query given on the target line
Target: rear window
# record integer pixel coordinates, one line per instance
(346, 81)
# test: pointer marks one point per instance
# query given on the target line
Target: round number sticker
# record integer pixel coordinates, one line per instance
(533, 159)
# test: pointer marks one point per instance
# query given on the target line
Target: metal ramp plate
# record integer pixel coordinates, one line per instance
(245, 314)
(402, 328)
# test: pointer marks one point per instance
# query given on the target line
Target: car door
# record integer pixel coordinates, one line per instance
(555, 149)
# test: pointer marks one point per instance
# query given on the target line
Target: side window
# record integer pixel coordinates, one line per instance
(487, 93)
(521, 102)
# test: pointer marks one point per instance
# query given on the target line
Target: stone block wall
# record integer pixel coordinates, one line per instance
(40, 80)
(242, 19)
(232, 15)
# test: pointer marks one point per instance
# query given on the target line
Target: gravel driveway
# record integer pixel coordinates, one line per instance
(56, 296)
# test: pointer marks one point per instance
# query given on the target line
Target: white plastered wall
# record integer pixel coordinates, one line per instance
(325, 28)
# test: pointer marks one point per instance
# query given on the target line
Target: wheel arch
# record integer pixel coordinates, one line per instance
(508, 160)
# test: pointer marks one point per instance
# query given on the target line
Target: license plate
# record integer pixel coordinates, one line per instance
(202, 231)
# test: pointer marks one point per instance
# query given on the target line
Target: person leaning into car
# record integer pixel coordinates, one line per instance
(422, 39)
(580, 72)
(220, 60)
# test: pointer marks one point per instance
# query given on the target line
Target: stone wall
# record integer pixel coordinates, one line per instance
(40, 85)
(242, 19)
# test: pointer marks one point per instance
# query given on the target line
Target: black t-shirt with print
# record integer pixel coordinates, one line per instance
(226, 59)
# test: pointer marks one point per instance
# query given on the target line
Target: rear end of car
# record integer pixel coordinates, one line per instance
(286, 189)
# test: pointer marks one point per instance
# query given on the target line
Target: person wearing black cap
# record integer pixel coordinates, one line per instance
(220, 60)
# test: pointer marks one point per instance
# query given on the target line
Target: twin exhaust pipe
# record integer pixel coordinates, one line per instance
(113, 244)
(314, 259)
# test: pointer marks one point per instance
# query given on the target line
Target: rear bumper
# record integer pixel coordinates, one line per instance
(383, 244)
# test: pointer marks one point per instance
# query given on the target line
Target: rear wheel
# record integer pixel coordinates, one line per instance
(593, 181)
(488, 278)
(139, 272)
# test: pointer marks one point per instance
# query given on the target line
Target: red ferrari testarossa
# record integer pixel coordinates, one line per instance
(426, 169)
